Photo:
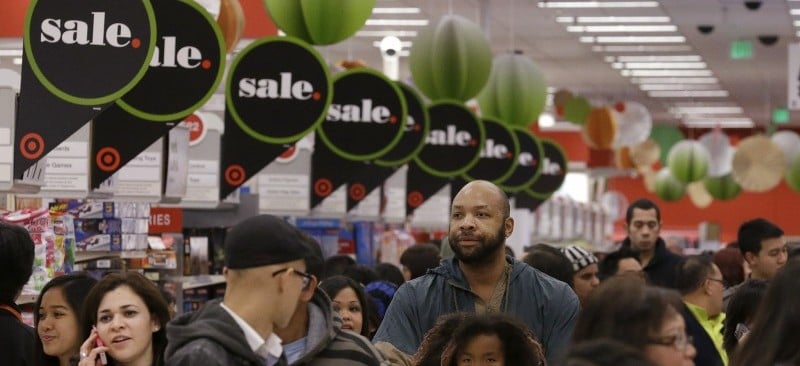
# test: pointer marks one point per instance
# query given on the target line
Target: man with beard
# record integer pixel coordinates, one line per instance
(480, 279)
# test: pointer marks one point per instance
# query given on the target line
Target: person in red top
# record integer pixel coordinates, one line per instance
(16, 266)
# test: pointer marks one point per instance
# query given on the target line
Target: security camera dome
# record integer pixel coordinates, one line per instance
(705, 28)
(752, 4)
(391, 45)
(768, 39)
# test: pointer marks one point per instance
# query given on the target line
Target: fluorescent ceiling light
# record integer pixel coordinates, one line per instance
(719, 122)
(16, 53)
(405, 44)
(598, 4)
(794, 11)
(617, 65)
(665, 65)
(707, 110)
(659, 58)
(622, 20)
(398, 22)
(640, 39)
(565, 19)
(385, 33)
(642, 48)
(669, 72)
(797, 23)
(688, 94)
(653, 87)
(708, 80)
(17, 61)
(620, 28)
(408, 10)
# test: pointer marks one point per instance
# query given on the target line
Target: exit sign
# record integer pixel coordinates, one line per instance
(780, 115)
(741, 50)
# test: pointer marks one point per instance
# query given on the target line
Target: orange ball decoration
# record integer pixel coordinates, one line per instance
(231, 22)
(600, 129)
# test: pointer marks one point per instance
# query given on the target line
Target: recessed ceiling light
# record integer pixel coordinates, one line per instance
(598, 4)
(640, 39)
(653, 87)
(688, 94)
(642, 48)
(398, 22)
(622, 20)
(660, 58)
(665, 65)
(620, 28)
(673, 80)
(670, 72)
(407, 10)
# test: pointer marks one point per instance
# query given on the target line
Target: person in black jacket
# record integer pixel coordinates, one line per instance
(265, 274)
(700, 283)
(16, 266)
(643, 224)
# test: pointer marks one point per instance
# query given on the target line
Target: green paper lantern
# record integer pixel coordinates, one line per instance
(688, 161)
(320, 22)
(450, 59)
(516, 92)
(722, 188)
(576, 110)
(667, 187)
(666, 136)
(793, 173)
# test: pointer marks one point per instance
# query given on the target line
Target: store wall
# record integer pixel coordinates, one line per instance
(779, 205)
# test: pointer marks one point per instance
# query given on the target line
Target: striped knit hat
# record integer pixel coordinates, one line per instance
(580, 258)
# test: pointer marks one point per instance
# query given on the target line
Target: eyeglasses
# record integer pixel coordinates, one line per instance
(721, 282)
(679, 341)
(306, 277)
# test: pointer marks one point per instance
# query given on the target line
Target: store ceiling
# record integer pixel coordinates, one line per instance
(756, 85)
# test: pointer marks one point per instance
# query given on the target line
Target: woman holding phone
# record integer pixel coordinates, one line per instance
(125, 320)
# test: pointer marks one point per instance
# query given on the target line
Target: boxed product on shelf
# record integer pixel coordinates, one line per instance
(86, 209)
(37, 223)
(98, 234)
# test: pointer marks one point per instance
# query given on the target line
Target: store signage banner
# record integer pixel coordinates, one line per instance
(278, 90)
(528, 162)
(184, 72)
(554, 170)
(79, 57)
(365, 119)
(420, 186)
(365, 181)
(499, 156)
(454, 142)
(329, 172)
(283, 184)
(417, 126)
(205, 134)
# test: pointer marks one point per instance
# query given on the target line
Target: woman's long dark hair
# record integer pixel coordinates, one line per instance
(520, 347)
(742, 308)
(74, 287)
(774, 336)
(150, 295)
(333, 285)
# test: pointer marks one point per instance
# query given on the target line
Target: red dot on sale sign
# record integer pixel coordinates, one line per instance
(197, 130)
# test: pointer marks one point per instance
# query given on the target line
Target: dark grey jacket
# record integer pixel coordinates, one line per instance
(209, 336)
(547, 306)
(329, 345)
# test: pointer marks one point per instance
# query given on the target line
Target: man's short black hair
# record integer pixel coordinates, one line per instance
(16, 260)
(551, 261)
(642, 204)
(753, 232)
(692, 272)
(419, 258)
(609, 266)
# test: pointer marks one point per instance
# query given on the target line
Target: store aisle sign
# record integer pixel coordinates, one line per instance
(275, 99)
(165, 220)
(454, 142)
(554, 170)
(365, 118)
(499, 155)
(186, 66)
(112, 40)
(529, 165)
(416, 128)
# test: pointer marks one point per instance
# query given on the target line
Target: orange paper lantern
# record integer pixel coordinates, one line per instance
(622, 157)
(231, 22)
(600, 129)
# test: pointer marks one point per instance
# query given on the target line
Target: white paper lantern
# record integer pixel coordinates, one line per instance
(634, 124)
(720, 152)
(789, 143)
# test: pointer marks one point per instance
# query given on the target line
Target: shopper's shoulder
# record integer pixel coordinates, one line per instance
(354, 346)
(199, 351)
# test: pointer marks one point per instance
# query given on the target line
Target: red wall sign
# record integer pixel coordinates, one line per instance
(165, 220)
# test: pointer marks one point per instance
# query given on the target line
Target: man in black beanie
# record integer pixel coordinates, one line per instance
(265, 271)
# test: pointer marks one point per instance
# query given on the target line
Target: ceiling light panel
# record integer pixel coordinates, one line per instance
(621, 20)
(621, 28)
(642, 48)
(665, 65)
(726, 122)
(385, 33)
(406, 10)
(687, 80)
(640, 39)
(659, 58)
(654, 87)
(639, 73)
(398, 22)
(597, 4)
(688, 94)
(707, 110)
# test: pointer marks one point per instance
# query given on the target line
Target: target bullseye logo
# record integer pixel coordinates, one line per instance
(357, 192)
(234, 175)
(107, 159)
(323, 187)
(415, 199)
(31, 146)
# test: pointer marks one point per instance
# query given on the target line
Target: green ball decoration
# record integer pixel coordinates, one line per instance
(450, 59)
(688, 161)
(320, 22)
(576, 110)
(667, 187)
(516, 92)
(793, 173)
(666, 136)
(722, 188)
